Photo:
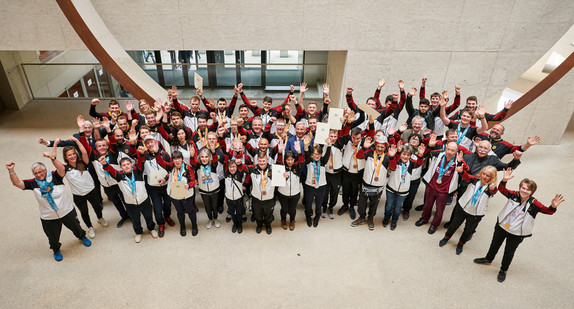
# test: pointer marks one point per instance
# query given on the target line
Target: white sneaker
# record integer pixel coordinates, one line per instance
(153, 233)
(217, 223)
(208, 225)
(103, 222)
(138, 238)
(91, 233)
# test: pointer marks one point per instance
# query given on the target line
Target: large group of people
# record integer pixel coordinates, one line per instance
(165, 153)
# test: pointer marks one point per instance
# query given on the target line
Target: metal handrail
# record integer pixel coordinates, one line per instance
(180, 63)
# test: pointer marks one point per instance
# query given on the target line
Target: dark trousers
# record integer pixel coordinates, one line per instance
(432, 196)
(53, 228)
(351, 185)
(237, 211)
(317, 194)
(512, 242)
(81, 202)
(210, 203)
(221, 196)
(333, 187)
(115, 196)
(263, 211)
(408, 203)
(135, 212)
(373, 204)
(161, 203)
(288, 206)
(185, 206)
(458, 218)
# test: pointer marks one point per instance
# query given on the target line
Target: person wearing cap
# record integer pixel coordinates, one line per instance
(56, 207)
(157, 188)
(441, 179)
(374, 179)
(398, 185)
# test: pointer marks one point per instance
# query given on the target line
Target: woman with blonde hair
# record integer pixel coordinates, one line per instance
(471, 206)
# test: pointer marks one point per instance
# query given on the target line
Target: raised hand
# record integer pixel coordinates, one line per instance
(297, 147)
(381, 83)
(157, 104)
(142, 150)
(303, 87)
(80, 121)
(102, 160)
(95, 101)
(533, 140)
(445, 95)
(240, 87)
(432, 140)
(392, 150)
(307, 140)
(459, 169)
(253, 103)
(422, 150)
(508, 104)
(173, 92)
(517, 155)
(129, 106)
(427, 131)
(286, 175)
(273, 119)
(235, 90)
(56, 142)
(351, 116)
(198, 91)
(106, 123)
(239, 122)
(73, 139)
(557, 200)
(326, 89)
(442, 101)
(133, 135)
(368, 142)
(220, 131)
(349, 90)
(291, 88)
(96, 123)
(401, 85)
(480, 111)
(281, 145)
(391, 131)
(413, 91)
(459, 157)
(457, 90)
(10, 166)
(424, 82)
(395, 97)
(42, 141)
(46, 154)
(507, 174)
(403, 127)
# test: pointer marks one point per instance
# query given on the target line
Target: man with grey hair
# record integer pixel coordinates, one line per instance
(56, 206)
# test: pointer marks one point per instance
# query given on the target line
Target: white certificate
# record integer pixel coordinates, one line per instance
(277, 178)
(178, 190)
(198, 81)
(155, 176)
(322, 133)
(335, 115)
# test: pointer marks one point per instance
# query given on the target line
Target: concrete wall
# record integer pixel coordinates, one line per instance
(481, 45)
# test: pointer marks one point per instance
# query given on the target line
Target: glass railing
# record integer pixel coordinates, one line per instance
(89, 80)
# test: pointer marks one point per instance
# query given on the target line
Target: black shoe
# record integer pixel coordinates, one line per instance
(449, 201)
(419, 208)
(244, 218)
(420, 222)
(228, 218)
(268, 229)
(446, 225)
(458, 249)
(385, 222)
(258, 229)
(442, 242)
(370, 223)
(194, 230)
(240, 229)
(121, 222)
(393, 226)
(342, 210)
(309, 222)
(432, 229)
(316, 221)
(182, 231)
(352, 213)
(233, 229)
(501, 276)
(405, 215)
(169, 221)
(482, 261)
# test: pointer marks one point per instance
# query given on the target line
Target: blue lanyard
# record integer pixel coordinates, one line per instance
(317, 170)
(132, 183)
(461, 136)
(404, 169)
(443, 169)
(477, 194)
(179, 173)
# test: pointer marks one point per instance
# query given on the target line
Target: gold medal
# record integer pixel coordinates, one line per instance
(507, 226)
(494, 147)
(354, 165)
